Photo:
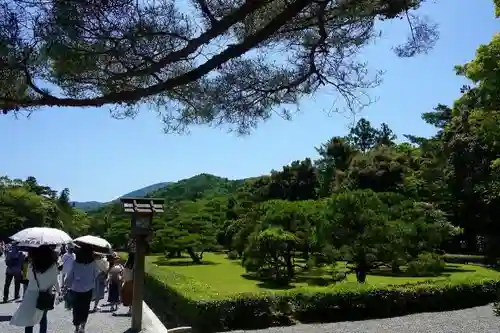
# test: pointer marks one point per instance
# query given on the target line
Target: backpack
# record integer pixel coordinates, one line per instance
(13, 261)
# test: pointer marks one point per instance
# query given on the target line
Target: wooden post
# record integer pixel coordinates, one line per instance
(142, 210)
(139, 272)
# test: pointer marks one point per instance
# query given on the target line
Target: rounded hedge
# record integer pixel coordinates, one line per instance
(259, 311)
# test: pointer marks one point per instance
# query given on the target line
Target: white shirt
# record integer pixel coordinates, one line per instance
(27, 314)
(68, 259)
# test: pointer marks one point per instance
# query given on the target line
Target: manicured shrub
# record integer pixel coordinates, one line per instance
(348, 302)
(233, 255)
(426, 264)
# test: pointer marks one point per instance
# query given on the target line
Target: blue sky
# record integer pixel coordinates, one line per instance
(100, 158)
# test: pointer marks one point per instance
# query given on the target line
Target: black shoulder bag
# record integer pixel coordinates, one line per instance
(45, 300)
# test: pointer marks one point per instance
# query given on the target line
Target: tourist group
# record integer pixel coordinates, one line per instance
(55, 270)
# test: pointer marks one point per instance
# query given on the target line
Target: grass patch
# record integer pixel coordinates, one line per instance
(220, 278)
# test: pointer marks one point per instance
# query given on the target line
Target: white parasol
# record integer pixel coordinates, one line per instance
(34, 237)
(99, 244)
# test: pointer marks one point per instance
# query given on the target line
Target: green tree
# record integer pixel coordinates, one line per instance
(283, 232)
(240, 230)
(26, 204)
(428, 178)
(382, 169)
(296, 181)
(484, 72)
(335, 158)
(32, 185)
(363, 136)
(385, 136)
(79, 224)
(371, 229)
(269, 254)
(439, 118)
(193, 229)
(471, 149)
(356, 223)
(19, 209)
(160, 61)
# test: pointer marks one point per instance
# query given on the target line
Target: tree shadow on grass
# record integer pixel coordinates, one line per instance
(318, 281)
(450, 269)
(267, 283)
(182, 256)
(273, 285)
(456, 269)
(179, 263)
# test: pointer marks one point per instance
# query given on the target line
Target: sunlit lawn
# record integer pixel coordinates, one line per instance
(220, 277)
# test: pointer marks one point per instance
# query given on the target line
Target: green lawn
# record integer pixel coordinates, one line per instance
(220, 277)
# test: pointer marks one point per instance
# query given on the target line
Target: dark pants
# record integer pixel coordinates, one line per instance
(81, 306)
(43, 325)
(8, 281)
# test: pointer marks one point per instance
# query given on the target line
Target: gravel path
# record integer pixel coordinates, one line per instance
(60, 319)
(475, 320)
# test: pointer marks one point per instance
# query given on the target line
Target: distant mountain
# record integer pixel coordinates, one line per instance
(87, 205)
(146, 190)
(142, 192)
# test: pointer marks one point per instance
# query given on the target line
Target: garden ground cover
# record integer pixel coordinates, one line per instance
(216, 296)
(220, 278)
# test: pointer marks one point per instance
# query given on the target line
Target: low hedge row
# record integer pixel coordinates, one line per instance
(463, 258)
(352, 303)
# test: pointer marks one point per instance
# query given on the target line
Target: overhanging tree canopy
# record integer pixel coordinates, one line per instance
(198, 61)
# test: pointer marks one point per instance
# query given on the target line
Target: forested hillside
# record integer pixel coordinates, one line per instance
(200, 186)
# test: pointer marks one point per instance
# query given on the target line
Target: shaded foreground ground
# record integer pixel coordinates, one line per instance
(60, 319)
(475, 320)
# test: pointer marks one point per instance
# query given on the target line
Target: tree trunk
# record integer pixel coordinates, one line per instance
(196, 259)
(361, 270)
(307, 254)
(289, 265)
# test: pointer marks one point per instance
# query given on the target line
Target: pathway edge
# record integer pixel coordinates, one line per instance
(151, 323)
